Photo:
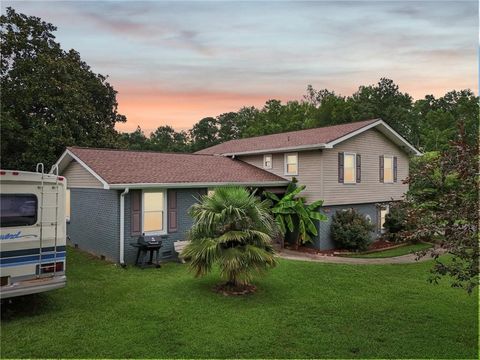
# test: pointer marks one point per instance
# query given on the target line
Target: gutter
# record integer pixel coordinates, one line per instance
(195, 185)
(122, 226)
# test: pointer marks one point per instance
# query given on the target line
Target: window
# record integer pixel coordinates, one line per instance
(291, 164)
(388, 169)
(67, 205)
(267, 161)
(383, 213)
(154, 211)
(349, 168)
(18, 210)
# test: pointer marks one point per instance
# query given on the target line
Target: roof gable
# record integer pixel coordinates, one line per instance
(308, 139)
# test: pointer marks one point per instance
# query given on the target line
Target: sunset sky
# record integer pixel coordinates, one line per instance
(177, 62)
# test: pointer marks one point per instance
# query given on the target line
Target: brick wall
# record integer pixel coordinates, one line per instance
(94, 221)
(324, 240)
(185, 199)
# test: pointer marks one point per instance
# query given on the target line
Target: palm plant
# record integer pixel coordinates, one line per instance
(232, 228)
(292, 213)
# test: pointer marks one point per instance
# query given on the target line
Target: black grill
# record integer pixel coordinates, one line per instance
(150, 241)
(147, 244)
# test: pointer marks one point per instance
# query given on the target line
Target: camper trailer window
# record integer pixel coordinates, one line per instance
(18, 210)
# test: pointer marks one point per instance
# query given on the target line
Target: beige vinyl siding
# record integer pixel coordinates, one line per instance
(370, 145)
(309, 170)
(79, 177)
(318, 170)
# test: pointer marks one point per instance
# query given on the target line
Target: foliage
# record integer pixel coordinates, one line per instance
(395, 221)
(294, 215)
(50, 97)
(351, 230)
(442, 204)
(231, 228)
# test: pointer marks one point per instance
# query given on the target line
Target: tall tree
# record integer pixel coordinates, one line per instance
(204, 134)
(166, 139)
(50, 97)
(135, 140)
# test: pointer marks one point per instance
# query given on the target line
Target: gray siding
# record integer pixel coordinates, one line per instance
(185, 199)
(324, 240)
(309, 170)
(318, 170)
(370, 145)
(94, 221)
(78, 177)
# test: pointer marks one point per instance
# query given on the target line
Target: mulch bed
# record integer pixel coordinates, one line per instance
(376, 245)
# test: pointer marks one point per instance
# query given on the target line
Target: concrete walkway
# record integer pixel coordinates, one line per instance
(404, 259)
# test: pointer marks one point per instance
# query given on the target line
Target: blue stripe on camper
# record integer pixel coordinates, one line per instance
(33, 259)
(11, 253)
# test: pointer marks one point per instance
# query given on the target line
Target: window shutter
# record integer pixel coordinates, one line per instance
(172, 211)
(394, 169)
(359, 168)
(381, 168)
(340, 167)
(136, 212)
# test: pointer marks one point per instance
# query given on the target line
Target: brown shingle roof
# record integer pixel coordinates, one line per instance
(129, 167)
(299, 138)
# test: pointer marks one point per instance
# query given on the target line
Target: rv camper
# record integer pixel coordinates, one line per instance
(32, 232)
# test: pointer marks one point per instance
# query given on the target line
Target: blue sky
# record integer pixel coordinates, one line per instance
(176, 62)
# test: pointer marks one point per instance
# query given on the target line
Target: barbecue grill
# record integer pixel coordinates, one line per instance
(147, 244)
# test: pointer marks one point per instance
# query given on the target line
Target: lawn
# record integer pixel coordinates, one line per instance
(403, 250)
(302, 309)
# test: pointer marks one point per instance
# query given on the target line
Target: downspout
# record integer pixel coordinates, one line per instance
(122, 226)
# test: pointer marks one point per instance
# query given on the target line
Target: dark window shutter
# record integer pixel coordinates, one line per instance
(136, 211)
(381, 168)
(359, 168)
(340, 167)
(172, 210)
(394, 169)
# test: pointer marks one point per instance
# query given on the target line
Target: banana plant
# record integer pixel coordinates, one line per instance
(292, 210)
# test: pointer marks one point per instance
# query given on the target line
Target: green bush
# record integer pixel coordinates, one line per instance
(395, 223)
(351, 230)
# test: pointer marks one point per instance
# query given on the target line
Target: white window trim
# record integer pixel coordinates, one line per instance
(354, 168)
(271, 161)
(165, 212)
(285, 156)
(389, 157)
(386, 208)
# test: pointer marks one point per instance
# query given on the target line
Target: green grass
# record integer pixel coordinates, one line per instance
(399, 251)
(302, 309)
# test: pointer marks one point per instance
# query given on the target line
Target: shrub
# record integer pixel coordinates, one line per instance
(351, 230)
(395, 222)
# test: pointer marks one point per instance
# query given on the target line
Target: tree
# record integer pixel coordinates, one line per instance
(166, 139)
(229, 126)
(438, 119)
(50, 97)
(294, 216)
(384, 100)
(135, 140)
(231, 228)
(204, 134)
(442, 205)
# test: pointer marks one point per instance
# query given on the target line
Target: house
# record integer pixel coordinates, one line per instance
(358, 165)
(116, 195)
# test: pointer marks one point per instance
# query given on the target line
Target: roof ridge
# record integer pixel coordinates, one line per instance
(292, 131)
(136, 150)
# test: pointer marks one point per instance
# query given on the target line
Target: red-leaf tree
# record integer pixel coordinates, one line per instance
(442, 205)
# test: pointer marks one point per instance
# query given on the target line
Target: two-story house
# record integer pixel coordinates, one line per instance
(116, 195)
